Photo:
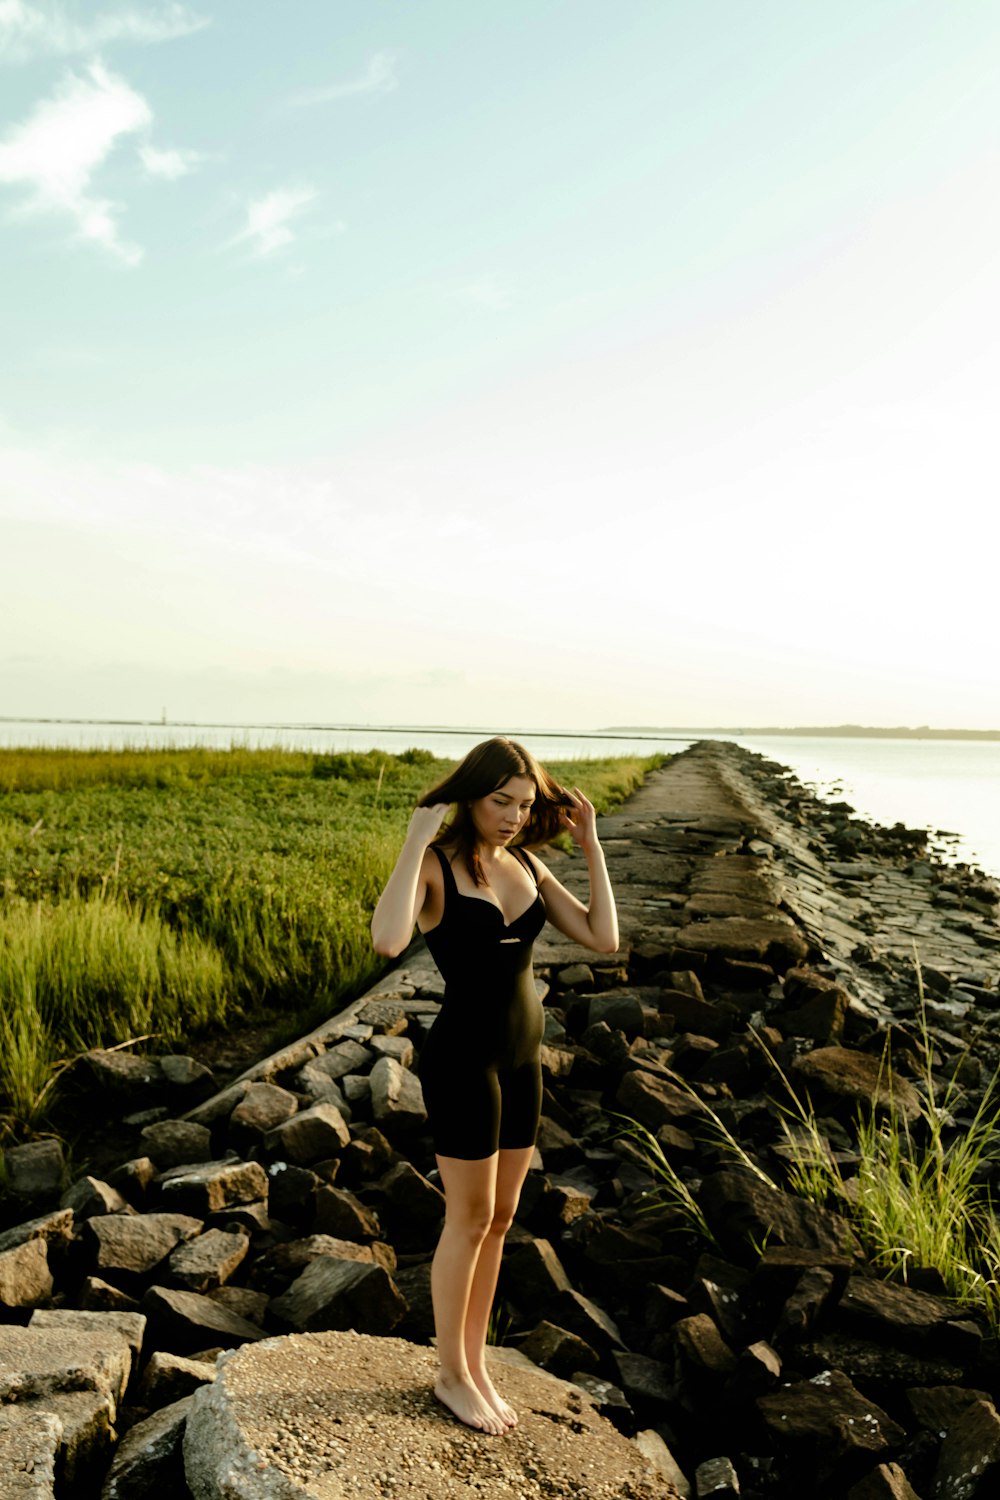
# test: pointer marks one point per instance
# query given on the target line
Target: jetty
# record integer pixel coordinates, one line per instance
(239, 1309)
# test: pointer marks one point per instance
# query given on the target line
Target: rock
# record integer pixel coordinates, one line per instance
(744, 1212)
(716, 1476)
(702, 1348)
(136, 1243)
(558, 1350)
(25, 1279)
(130, 1325)
(125, 1080)
(652, 1447)
(826, 1424)
(812, 1294)
(35, 1169)
(29, 1445)
(558, 1148)
(531, 1273)
(41, 1362)
(55, 1228)
(410, 1207)
(290, 1418)
(100, 1296)
(938, 1407)
(618, 1009)
(875, 1366)
(570, 1309)
(263, 1107)
(312, 1135)
(149, 1460)
(969, 1464)
(133, 1180)
(398, 1047)
(242, 1301)
(345, 1057)
(210, 1187)
(694, 1014)
(187, 1076)
(168, 1378)
(900, 1315)
(771, 940)
(184, 1322)
(86, 1419)
(208, 1260)
(655, 1101)
(319, 1086)
(887, 1482)
(292, 1192)
(646, 1382)
(220, 1105)
(341, 1214)
(169, 1143)
(397, 1098)
(340, 1294)
(841, 1079)
(89, 1196)
(277, 1267)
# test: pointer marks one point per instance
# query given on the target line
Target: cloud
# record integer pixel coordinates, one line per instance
(56, 151)
(380, 78)
(169, 164)
(41, 30)
(267, 227)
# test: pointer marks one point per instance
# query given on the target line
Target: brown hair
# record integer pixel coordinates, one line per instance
(485, 769)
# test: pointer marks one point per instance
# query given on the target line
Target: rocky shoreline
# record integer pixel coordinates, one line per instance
(765, 935)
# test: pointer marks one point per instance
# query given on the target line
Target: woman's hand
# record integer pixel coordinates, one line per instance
(425, 824)
(580, 820)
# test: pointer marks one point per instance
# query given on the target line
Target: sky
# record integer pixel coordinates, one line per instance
(542, 363)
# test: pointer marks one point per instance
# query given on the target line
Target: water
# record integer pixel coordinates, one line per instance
(942, 785)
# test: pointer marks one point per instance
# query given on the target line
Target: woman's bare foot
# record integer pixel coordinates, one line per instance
(488, 1390)
(465, 1402)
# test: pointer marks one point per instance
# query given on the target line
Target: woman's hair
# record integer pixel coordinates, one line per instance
(485, 769)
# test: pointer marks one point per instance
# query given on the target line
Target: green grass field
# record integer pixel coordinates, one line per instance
(165, 893)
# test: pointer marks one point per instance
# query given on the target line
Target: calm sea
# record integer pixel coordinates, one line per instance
(951, 787)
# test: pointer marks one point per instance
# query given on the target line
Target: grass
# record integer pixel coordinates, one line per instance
(918, 1199)
(177, 891)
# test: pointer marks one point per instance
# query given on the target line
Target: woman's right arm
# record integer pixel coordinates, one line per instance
(406, 889)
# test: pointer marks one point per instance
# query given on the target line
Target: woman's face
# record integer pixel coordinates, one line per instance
(501, 814)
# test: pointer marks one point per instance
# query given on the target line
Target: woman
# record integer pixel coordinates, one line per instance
(481, 899)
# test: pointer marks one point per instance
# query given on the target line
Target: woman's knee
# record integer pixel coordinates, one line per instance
(503, 1216)
(471, 1220)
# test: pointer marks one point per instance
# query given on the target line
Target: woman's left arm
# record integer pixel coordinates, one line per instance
(595, 925)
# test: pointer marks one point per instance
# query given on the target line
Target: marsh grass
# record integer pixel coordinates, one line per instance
(173, 891)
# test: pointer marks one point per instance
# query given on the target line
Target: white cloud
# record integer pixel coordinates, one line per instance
(56, 151)
(40, 30)
(379, 78)
(170, 164)
(267, 227)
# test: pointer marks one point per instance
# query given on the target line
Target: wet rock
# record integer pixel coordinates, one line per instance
(149, 1460)
(312, 1135)
(212, 1186)
(397, 1098)
(134, 1243)
(208, 1260)
(36, 1169)
(184, 1322)
(827, 1425)
(969, 1464)
(169, 1143)
(839, 1079)
(338, 1295)
(25, 1279)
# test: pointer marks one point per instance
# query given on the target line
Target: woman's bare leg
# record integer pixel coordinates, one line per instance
(512, 1168)
(469, 1189)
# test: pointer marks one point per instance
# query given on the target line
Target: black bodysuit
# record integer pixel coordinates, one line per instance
(479, 1066)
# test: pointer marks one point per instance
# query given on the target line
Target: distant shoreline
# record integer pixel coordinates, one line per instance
(611, 731)
(828, 732)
